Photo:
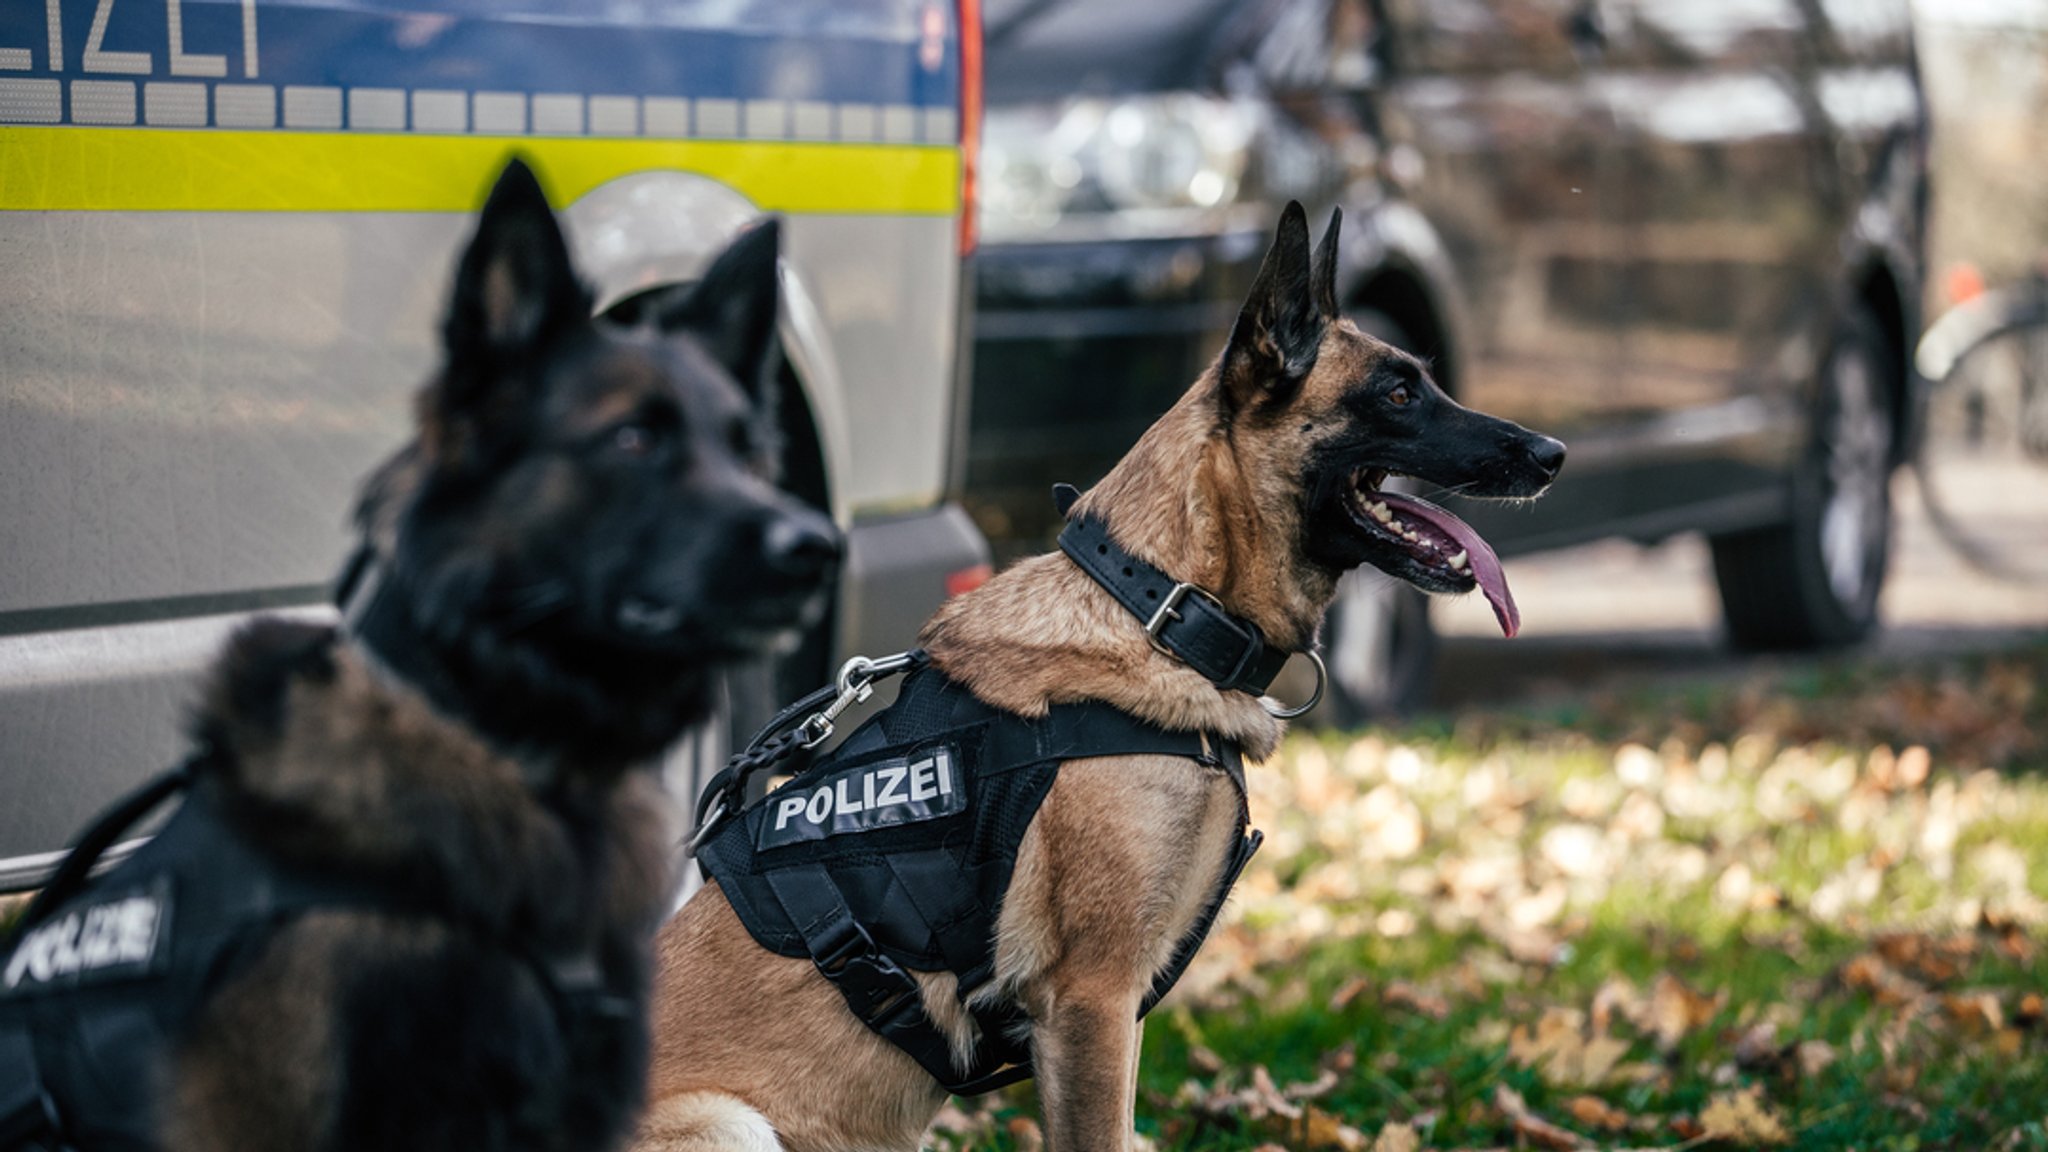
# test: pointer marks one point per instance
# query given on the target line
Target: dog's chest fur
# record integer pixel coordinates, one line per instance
(504, 871)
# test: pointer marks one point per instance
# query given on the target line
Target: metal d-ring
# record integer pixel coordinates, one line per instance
(1322, 680)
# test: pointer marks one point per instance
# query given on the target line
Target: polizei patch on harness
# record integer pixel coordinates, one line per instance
(924, 785)
(111, 938)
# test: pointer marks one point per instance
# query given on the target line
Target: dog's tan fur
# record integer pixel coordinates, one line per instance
(1120, 858)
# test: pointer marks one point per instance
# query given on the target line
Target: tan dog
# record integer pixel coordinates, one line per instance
(1260, 486)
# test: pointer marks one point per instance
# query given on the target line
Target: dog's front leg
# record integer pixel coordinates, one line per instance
(1121, 858)
(1086, 1052)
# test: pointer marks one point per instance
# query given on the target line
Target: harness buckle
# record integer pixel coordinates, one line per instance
(1169, 609)
(881, 992)
(853, 941)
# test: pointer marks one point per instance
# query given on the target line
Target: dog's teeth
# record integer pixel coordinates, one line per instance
(1458, 561)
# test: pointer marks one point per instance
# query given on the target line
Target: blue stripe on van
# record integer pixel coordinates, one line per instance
(572, 48)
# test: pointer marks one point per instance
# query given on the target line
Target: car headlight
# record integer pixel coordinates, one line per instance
(1165, 151)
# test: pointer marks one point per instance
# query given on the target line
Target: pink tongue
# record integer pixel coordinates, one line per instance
(1485, 566)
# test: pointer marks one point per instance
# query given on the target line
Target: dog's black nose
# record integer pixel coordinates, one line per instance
(1547, 454)
(800, 544)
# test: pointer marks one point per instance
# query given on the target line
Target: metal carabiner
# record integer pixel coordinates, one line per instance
(856, 682)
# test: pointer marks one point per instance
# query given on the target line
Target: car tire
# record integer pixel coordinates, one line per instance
(1377, 639)
(1813, 581)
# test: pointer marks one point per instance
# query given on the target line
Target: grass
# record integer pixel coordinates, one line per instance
(1799, 910)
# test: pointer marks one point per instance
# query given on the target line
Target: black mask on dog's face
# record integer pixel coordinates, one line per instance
(1370, 412)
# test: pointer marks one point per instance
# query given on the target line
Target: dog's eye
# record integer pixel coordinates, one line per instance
(1399, 397)
(633, 439)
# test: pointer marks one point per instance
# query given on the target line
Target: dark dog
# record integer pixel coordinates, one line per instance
(1261, 487)
(452, 791)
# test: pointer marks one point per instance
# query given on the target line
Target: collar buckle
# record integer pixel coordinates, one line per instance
(1169, 609)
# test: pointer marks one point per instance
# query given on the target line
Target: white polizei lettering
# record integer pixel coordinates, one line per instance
(64, 949)
(922, 784)
(98, 59)
(29, 959)
(820, 806)
(846, 803)
(138, 930)
(791, 806)
(867, 790)
(100, 942)
(892, 781)
(185, 63)
(945, 764)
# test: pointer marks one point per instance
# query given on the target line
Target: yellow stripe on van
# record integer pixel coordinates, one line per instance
(214, 170)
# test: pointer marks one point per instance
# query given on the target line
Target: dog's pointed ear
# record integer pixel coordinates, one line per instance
(514, 286)
(1325, 272)
(731, 311)
(1273, 346)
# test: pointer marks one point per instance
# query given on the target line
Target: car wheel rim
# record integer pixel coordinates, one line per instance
(1858, 447)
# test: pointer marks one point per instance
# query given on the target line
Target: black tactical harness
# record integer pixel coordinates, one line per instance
(892, 853)
(102, 975)
(99, 978)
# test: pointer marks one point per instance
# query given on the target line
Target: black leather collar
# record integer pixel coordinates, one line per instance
(1181, 619)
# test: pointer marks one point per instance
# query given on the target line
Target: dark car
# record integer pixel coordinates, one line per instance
(1684, 237)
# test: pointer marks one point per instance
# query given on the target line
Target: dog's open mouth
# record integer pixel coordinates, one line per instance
(1435, 540)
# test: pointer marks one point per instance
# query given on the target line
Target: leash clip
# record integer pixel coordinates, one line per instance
(856, 683)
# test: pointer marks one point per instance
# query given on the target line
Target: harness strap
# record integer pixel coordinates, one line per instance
(94, 842)
(1182, 619)
(1002, 1056)
(881, 994)
(1232, 762)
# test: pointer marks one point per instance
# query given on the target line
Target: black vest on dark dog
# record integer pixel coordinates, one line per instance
(97, 985)
(894, 851)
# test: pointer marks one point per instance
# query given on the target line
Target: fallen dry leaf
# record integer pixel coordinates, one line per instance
(1743, 1119)
(1402, 994)
(1325, 1080)
(1397, 1138)
(1562, 1054)
(1815, 1057)
(1347, 992)
(1322, 1130)
(1264, 1098)
(1674, 1010)
(1975, 1013)
(1869, 973)
(1533, 1128)
(1593, 1112)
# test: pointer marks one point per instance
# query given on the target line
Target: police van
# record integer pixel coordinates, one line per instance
(226, 230)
